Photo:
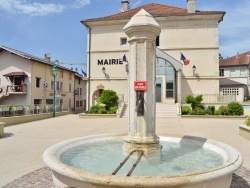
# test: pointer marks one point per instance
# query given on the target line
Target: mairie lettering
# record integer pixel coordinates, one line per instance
(109, 62)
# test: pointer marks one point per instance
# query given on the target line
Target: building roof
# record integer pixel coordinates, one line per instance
(31, 57)
(156, 10)
(228, 82)
(237, 60)
(15, 74)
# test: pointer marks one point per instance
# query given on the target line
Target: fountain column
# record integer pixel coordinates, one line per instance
(142, 31)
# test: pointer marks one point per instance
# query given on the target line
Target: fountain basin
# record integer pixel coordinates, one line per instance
(68, 176)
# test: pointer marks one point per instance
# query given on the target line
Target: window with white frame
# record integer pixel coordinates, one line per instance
(232, 72)
(230, 91)
(123, 41)
(243, 71)
(52, 85)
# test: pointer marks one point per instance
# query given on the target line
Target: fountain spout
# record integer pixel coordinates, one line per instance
(142, 31)
(139, 104)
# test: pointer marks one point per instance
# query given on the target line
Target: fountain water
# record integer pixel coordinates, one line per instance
(159, 166)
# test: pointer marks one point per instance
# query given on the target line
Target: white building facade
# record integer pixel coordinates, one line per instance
(187, 31)
(235, 79)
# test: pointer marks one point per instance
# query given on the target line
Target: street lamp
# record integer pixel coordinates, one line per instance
(194, 69)
(104, 71)
(54, 72)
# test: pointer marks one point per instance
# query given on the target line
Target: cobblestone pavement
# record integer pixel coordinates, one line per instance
(42, 178)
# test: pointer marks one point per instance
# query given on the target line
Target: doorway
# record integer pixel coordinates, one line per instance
(160, 88)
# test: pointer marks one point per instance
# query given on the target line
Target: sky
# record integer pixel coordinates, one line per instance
(37, 27)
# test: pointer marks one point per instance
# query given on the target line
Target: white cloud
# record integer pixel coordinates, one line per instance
(33, 9)
(136, 4)
(80, 3)
(37, 8)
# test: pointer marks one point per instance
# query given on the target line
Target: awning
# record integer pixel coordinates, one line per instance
(15, 74)
(228, 82)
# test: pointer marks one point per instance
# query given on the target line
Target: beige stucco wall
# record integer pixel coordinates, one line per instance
(80, 83)
(43, 72)
(195, 36)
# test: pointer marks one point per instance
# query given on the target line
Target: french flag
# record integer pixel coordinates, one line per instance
(185, 61)
(84, 74)
(124, 59)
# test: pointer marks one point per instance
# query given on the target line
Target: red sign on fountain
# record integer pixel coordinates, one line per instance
(140, 85)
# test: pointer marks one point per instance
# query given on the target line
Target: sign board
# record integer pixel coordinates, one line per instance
(140, 85)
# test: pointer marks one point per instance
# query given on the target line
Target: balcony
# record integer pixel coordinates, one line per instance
(17, 89)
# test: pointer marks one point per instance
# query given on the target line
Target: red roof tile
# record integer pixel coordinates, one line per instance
(238, 60)
(156, 10)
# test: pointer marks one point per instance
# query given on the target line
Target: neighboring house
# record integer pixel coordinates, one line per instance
(80, 93)
(235, 69)
(189, 31)
(28, 80)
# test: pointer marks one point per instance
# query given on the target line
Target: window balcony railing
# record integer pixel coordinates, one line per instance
(6, 111)
(17, 88)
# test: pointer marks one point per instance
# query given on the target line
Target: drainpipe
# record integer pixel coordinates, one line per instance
(89, 59)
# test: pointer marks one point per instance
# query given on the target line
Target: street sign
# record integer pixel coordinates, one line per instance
(140, 85)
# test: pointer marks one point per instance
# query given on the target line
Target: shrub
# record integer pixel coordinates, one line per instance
(235, 108)
(94, 109)
(247, 122)
(113, 109)
(210, 110)
(109, 98)
(185, 110)
(199, 111)
(102, 110)
(223, 109)
(217, 112)
(194, 101)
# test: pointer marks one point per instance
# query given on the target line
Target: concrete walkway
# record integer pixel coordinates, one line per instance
(22, 147)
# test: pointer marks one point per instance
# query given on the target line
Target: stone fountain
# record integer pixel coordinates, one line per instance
(141, 142)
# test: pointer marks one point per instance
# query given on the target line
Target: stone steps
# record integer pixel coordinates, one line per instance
(162, 110)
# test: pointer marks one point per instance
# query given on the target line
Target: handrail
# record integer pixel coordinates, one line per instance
(135, 164)
(125, 160)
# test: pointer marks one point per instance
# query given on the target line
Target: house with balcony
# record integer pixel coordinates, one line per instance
(234, 76)
(28, 80)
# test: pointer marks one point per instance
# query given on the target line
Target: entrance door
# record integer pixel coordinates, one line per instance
(160, 88)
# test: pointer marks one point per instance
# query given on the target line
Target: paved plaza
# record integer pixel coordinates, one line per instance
(22, 146)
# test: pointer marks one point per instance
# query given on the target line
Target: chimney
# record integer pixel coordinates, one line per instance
(125, 6)
(191, 6)
(47, 57)
(238, 54)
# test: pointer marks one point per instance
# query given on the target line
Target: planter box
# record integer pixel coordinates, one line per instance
(2, 129)
(244, 131)
(90, 116)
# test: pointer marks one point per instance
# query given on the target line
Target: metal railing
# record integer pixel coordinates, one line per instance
(207, 98)
(7, 111)
(17, 88)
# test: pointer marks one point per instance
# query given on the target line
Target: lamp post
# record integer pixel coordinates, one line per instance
(104, 71)
(194, 69)
(54, 72)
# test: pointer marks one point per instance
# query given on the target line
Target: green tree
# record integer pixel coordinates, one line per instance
(194, 101)
(109, 98)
